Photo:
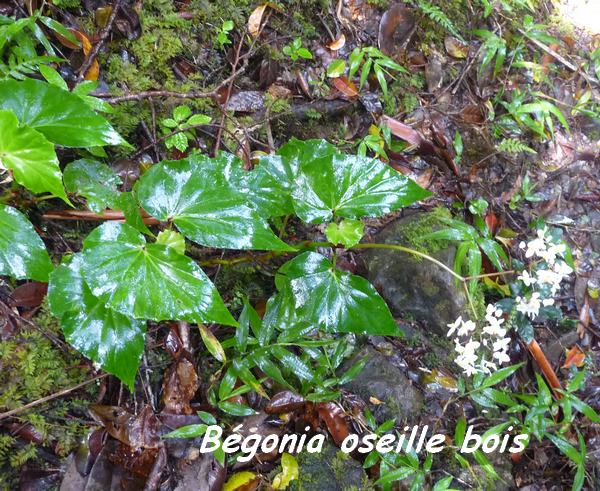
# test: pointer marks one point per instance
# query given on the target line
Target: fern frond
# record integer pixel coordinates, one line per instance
(513, 146)
(437, 15)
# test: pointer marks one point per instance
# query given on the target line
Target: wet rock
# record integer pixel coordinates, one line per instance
(331, 469)
(415, 286)
(380, 379)
(248, 101)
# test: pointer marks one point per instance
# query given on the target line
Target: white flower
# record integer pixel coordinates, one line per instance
(501, 356)
(549, 255)
(548, 301)
(548, 277)
(531, 306)
(535, 247)
(527, 278)
(501, 344)
(562, 268)
(495, 330)
(467, 327)
(454, 326)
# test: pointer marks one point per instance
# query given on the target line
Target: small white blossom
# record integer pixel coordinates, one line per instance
(501, 356)
(526, 278)
(501, 344)
(530, 307)
(562, 268)
(454, 326)
(467, 328)
(548, 301)
(535, 248)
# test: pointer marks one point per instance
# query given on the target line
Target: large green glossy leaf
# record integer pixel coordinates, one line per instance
(350, 187)
(113, 340)
(334, 300)
(96, 181)
(22, 252)
(148, 281)
(206, 199)
(62, 117)
(29, 156)
(274, 178)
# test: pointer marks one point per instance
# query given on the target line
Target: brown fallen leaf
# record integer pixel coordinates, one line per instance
(29, 295)
(395, 29)
(456, 48)
(473, 114)
(575, 357)
(338, 43)
(285, 402)
(255, 19)
(94, 70)
(335, 419)
(135, 431)
(345, 86)
(179, 387)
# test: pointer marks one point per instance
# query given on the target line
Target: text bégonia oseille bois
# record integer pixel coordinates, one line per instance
(413, 438)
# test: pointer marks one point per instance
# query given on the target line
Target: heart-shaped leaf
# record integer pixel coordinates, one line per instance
(334, 300)
(111, 339)
(29, 156)
(22, 252)
(96, 181)
(350, 187)
(273, 180)
(208, 202)
(62, 117)
(148, 281)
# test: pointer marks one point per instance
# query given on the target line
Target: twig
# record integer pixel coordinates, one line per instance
(56, 395)
(87, 63)
(151, 94)
(91, 216)
(234, 71)
(559, 58)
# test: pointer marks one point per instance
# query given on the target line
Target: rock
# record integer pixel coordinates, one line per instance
(412, 285)
(384, 381)
(330, 470)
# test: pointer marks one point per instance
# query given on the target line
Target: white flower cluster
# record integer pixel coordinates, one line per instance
(543, 281)
(547, 276)
(493, 337)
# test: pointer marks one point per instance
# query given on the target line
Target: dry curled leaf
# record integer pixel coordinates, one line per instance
(335, 419)
(179, 387)
(255, 19)
(338, 43)
(94, 70)
(395, 29)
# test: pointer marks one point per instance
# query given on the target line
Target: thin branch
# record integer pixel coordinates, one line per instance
(87, 63)
(56, 395)
(151, 94)
(94, 217)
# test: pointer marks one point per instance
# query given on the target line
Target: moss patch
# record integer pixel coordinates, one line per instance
(32, 367)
